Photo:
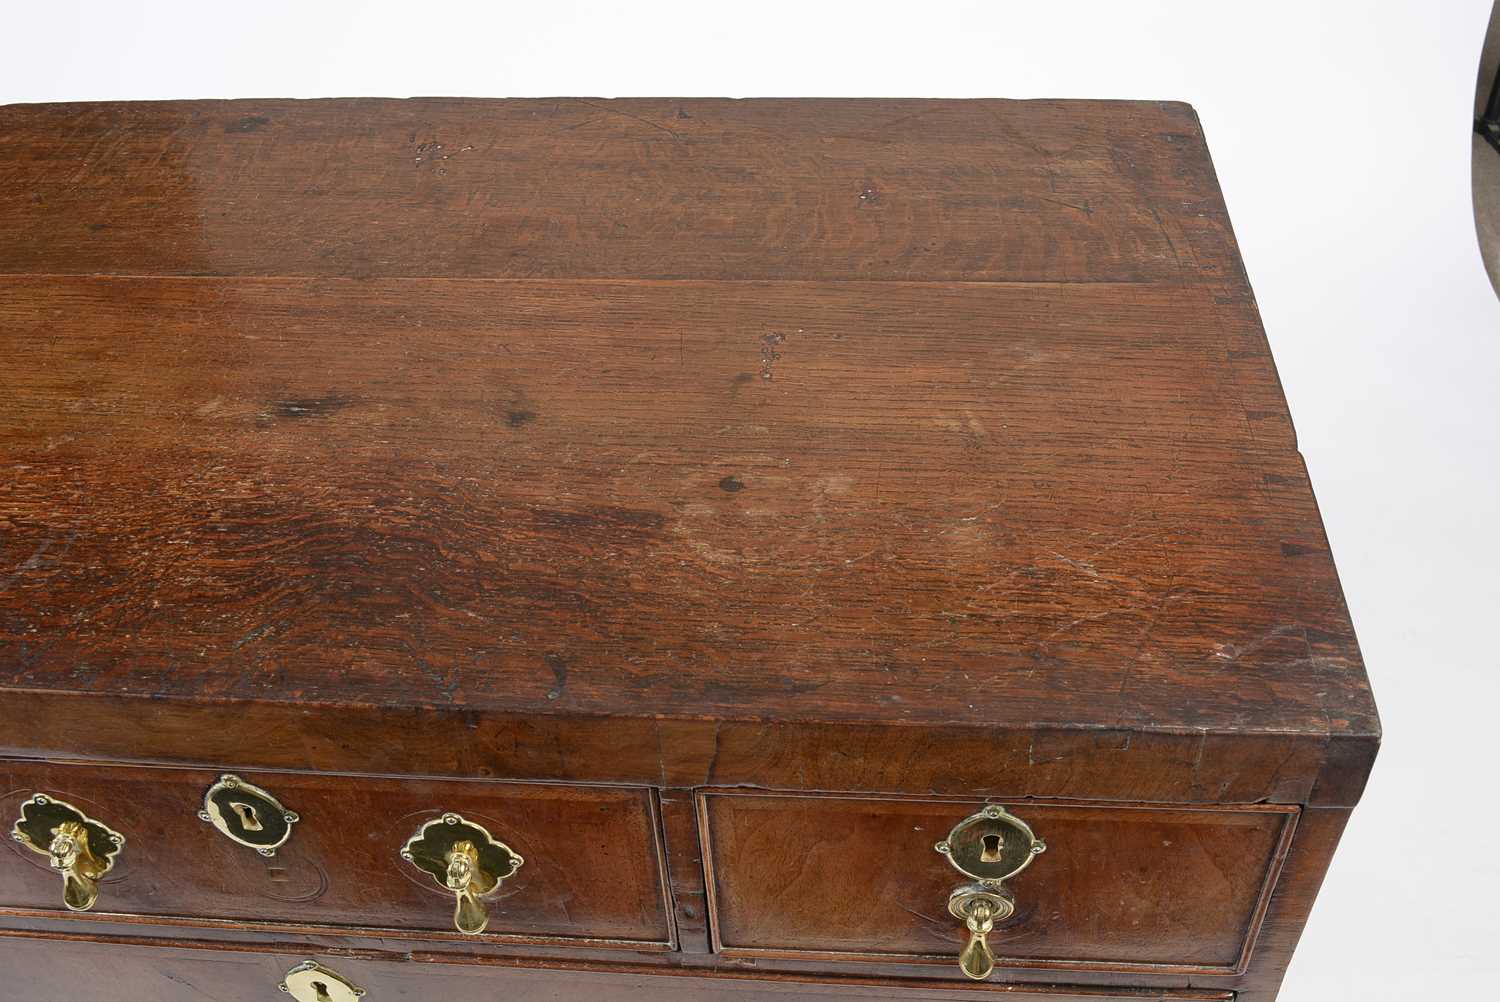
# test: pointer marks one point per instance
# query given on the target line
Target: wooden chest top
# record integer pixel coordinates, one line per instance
(816, 444)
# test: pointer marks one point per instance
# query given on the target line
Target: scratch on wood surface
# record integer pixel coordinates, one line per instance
(37, 560)
(625, 114)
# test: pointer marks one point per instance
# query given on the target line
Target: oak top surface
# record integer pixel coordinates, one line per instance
(918, 412)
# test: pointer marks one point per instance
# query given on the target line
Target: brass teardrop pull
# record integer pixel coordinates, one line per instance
(468, 881)
(80, 848)
(977, 959)
(461, 856)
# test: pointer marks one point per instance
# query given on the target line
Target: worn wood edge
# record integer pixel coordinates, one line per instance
(1161, 104)
(663, 874)
(458, 952)
(936, 988)
(1306, 866)
(1125, 764)
(682, 848)
(343, 931)
(1289, 815)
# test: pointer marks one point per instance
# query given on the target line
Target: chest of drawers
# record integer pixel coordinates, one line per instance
(651, 549)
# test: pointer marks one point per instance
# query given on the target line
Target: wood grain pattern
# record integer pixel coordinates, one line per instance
(911, 449)
(996, 505)
(684, 849)
(593, 868)
(171, 973)
(770, 189)
(1119, 889)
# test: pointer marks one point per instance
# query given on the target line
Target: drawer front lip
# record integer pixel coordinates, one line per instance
(487, 976)
(335, 877)
(1285, 816)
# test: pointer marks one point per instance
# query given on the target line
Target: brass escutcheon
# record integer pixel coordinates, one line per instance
(989, 848)
(81, 849)
(463, 858)
(244, 813)
(312, 982)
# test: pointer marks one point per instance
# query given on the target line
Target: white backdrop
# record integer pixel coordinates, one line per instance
(1341, 135)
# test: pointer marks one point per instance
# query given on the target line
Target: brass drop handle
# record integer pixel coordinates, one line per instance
(468, 881)
(989, 848)
(467, 860)
(976, 959)
(980, 908)
(80, 848)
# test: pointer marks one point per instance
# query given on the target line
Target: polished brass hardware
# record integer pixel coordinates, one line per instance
(82, 849)
(979, 908)
(246, 814)
(465, 859)
(989, 848)
(312, 982)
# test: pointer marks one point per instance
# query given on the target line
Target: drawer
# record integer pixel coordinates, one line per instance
(115, 972)
(592, 867)
(1127, 888)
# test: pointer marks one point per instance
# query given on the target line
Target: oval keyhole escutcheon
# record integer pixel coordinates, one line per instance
(244, 813)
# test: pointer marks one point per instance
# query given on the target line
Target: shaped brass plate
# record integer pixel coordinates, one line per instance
(82, 849)
(312, 982)
(463, 858)
(246, 814)
(991, 846)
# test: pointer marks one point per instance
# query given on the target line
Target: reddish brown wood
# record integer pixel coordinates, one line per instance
(1075, 191)
(300, 509)
(679, 814)
(1120, 888)
(1318, 833)
(592, 870)
(163, 972)
(929, 449)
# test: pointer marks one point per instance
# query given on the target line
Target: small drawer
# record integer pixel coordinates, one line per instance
(1118, 888)
(592, 868)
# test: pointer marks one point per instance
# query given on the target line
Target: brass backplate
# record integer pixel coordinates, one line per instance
(991, 846)
(81, 849)
(246, 814)
(42, 816)
(431, 847)
(312, 982)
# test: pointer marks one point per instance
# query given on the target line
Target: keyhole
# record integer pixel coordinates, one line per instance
(990, 848)
(322, 990)
(249, 820)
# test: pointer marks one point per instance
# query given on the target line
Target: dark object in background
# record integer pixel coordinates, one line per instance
(1488, 123)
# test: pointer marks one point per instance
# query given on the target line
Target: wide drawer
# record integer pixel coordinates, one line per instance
(592, 863)
(1128, 888)
(112, 972)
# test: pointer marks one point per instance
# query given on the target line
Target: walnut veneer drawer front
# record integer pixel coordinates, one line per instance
(591, 865)
(98, 972)
(1117, 888)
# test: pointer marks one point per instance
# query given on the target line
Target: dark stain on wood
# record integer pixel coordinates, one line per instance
(248, 123)
(310, 407)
